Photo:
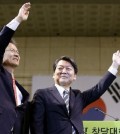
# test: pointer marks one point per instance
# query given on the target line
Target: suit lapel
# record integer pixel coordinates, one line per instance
(8, 83)
(24, 93)
(72, 100)
(59, 98)
(57, 95)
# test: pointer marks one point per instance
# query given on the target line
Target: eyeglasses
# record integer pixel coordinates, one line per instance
(13, 51)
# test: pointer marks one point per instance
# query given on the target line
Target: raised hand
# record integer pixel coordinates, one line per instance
(23, 12)
(116, 58)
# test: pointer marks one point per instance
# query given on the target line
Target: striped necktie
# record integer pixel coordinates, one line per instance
(66, 100)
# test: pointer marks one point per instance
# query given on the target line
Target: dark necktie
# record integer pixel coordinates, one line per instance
(66, 99)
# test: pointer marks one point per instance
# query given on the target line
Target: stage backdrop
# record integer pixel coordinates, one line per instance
(109, 103)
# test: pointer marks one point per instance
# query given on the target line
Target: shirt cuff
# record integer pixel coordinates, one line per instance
(113, 70)
(13, 24)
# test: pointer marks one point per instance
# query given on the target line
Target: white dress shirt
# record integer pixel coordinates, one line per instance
(61, 89)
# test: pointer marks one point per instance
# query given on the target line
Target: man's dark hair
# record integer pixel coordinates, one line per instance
(68, 59)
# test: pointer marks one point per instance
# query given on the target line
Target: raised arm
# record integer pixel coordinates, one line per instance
(8, 30)
(95, 92)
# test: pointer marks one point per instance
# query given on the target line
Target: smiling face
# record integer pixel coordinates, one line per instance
(11, 56)
(64, 74)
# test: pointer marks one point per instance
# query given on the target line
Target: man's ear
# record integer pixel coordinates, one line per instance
(53, 75)
(75, 77)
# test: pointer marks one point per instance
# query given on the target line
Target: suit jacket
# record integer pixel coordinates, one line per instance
(10, 115)
(48, 110)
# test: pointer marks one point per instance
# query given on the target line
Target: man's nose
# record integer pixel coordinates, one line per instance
(64, 70)
(16, 54)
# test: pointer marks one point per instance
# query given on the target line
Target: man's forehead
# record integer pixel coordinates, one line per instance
(11, 45)
(64, 63)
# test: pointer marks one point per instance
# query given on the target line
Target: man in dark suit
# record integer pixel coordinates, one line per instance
(55, 112)
(13, 97)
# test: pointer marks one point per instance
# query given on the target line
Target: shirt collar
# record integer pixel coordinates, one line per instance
(61, 89)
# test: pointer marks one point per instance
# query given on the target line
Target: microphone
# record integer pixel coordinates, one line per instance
(97, 109)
